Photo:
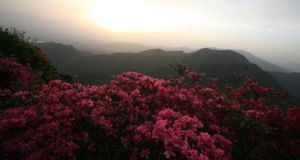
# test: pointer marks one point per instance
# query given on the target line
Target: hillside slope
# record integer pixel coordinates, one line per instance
(226, 65)
(61, 54)
(290, 81)
(265, 65)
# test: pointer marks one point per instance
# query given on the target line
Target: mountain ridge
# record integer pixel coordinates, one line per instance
(267, 66)
(101, 68)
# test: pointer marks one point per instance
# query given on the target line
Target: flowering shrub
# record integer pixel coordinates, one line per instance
(15, 81)
(15, 47)
(13, 74)
(139, 117)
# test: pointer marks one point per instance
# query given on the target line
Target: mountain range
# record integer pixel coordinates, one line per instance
(226, 65)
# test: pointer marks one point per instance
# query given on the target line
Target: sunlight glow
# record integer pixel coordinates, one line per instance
(137, 15)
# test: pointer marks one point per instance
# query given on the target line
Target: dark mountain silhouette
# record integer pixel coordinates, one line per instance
(113, 47)
(227, 65)
(122, 47)
(102, 68)
(263, 64)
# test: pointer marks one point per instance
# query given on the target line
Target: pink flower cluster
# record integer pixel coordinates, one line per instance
(15, 74)
(139, 117)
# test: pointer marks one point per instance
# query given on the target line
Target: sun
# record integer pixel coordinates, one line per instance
(135, 15)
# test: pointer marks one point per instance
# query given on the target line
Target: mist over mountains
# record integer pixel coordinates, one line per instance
(150, 79)
(282, 65)
(226, 65)
(265, 65)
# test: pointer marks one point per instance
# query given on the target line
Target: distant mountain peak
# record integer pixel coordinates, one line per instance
(220, 52)
(213, 50)
(155, 50)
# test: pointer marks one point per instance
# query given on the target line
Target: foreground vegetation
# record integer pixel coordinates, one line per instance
(136, 116)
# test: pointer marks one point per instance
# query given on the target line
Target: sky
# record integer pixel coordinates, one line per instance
(268, 28)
